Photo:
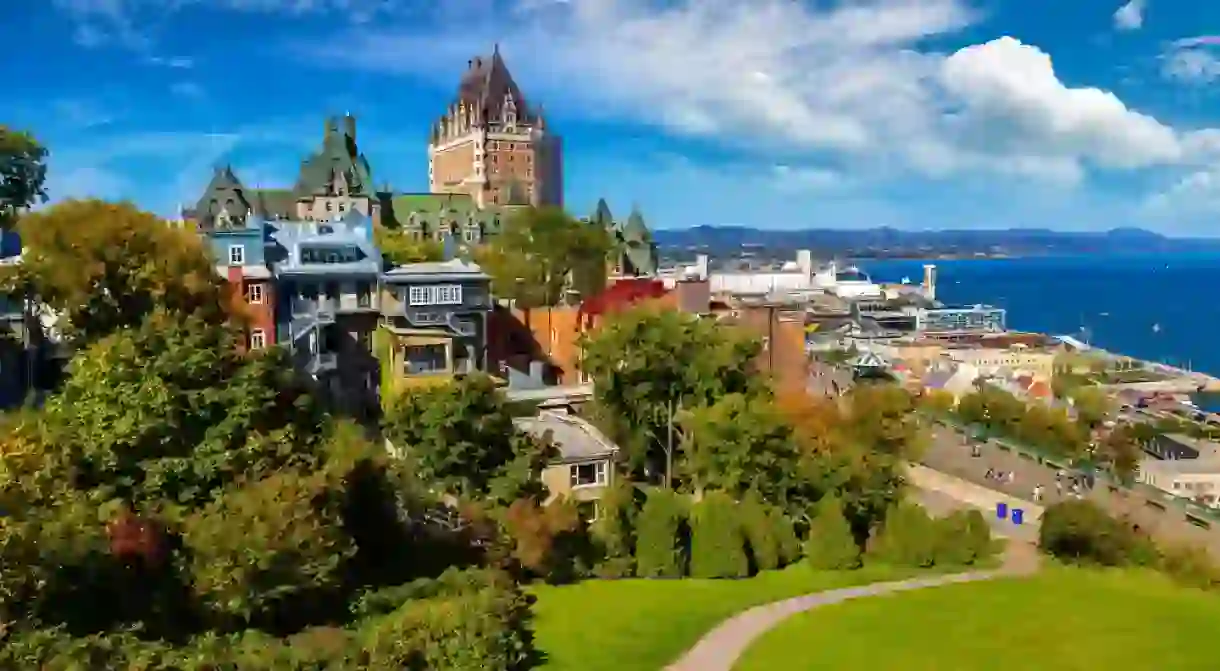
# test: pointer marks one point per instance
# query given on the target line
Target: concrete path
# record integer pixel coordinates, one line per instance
(720, 648)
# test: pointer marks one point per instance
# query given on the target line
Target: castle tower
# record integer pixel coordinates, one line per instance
(492, 145)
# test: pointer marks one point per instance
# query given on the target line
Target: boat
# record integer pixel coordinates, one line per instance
(1156, 328)
(1104, 314)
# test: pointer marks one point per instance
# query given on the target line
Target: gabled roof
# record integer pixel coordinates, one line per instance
(486, 82)
(338, 155)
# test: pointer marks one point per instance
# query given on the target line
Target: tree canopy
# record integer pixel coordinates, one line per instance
(542, 252)
(398, 248)
(647, 365)
(105, 267)
(461, 438)
(23, 173)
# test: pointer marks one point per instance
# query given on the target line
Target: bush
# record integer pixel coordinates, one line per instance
(761, 534)
(963, 539)
(661, 541)
(717, 544)
(1079, 531)
(267, 553)
(786, 542)
(907, 537)
(462, 621)
(614, 532)
(831, 546)
(548, 541)
(1190, 566)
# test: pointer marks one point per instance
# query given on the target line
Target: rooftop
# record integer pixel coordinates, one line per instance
(450, 268)
(576, 438)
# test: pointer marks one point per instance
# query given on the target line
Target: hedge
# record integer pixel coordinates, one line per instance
(717, 543)
(831, 546)
(661, 540)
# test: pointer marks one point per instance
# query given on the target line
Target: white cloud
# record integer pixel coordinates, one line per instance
(1130, 16)
(125, 23)
(795, 78)
(1192, 60)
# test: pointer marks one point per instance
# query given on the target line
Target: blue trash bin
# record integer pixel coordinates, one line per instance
(1018, 516)
(1001, 510)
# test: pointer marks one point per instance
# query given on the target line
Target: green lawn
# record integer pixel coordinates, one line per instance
(1059, 620)
(626, 625)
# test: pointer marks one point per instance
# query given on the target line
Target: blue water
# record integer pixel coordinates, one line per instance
(1116, 300)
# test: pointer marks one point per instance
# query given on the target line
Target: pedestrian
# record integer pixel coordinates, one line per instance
(990, 474)
(1037, 493)
(1012, 477)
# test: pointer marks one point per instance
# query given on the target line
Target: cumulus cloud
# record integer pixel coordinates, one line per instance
(1130, 16)
(856, 80)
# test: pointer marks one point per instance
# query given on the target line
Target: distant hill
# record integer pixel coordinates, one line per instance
(891, 242)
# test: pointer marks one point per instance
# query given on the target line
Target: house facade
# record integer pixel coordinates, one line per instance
(434, 319)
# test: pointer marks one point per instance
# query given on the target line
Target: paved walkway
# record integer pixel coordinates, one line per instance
(720, 648)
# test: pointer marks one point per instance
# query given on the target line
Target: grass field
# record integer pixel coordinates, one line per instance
(1059, 620)
(629, 625)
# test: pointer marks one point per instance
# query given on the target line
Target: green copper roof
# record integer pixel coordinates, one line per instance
(635, 229)
(272, 203)
(602, 215)
(338, 154)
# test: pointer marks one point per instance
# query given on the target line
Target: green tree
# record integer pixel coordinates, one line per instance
(717, 543)
(663, 527)
(1122, 452)
(103, 267)
(907, 537)
(23, 172)
(399, 248)
(647, 365)
(542, 252)
(171, 411)
(738, 444)
(831, 545)
(195, 492)
(461, 437)
(1092, 406)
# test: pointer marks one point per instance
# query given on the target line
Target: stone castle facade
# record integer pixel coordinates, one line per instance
(489, 154)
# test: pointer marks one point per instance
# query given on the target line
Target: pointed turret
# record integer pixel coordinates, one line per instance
(602, 215)
(636, 230)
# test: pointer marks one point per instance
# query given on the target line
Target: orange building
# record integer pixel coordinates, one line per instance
(552, 335)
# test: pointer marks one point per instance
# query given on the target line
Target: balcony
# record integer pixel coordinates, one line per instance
(321, 309)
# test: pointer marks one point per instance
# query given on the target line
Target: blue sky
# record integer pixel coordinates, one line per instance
(1086, 114)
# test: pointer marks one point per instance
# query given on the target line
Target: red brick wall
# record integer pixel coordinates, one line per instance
(258, 315)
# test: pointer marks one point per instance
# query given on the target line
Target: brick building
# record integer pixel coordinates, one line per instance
(492, 145)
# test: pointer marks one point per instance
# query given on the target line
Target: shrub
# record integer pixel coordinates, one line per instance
(1080, 531)
(907, 537)
(267, 553)
(548, 541)
(1190, 566)
(963, 539)
(614, 531)
(786, 541)
(761, 534)
(717, 544)
(831, 546)
(465, 620)
(661, 542)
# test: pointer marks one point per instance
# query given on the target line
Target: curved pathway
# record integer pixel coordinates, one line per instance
(720, 648)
